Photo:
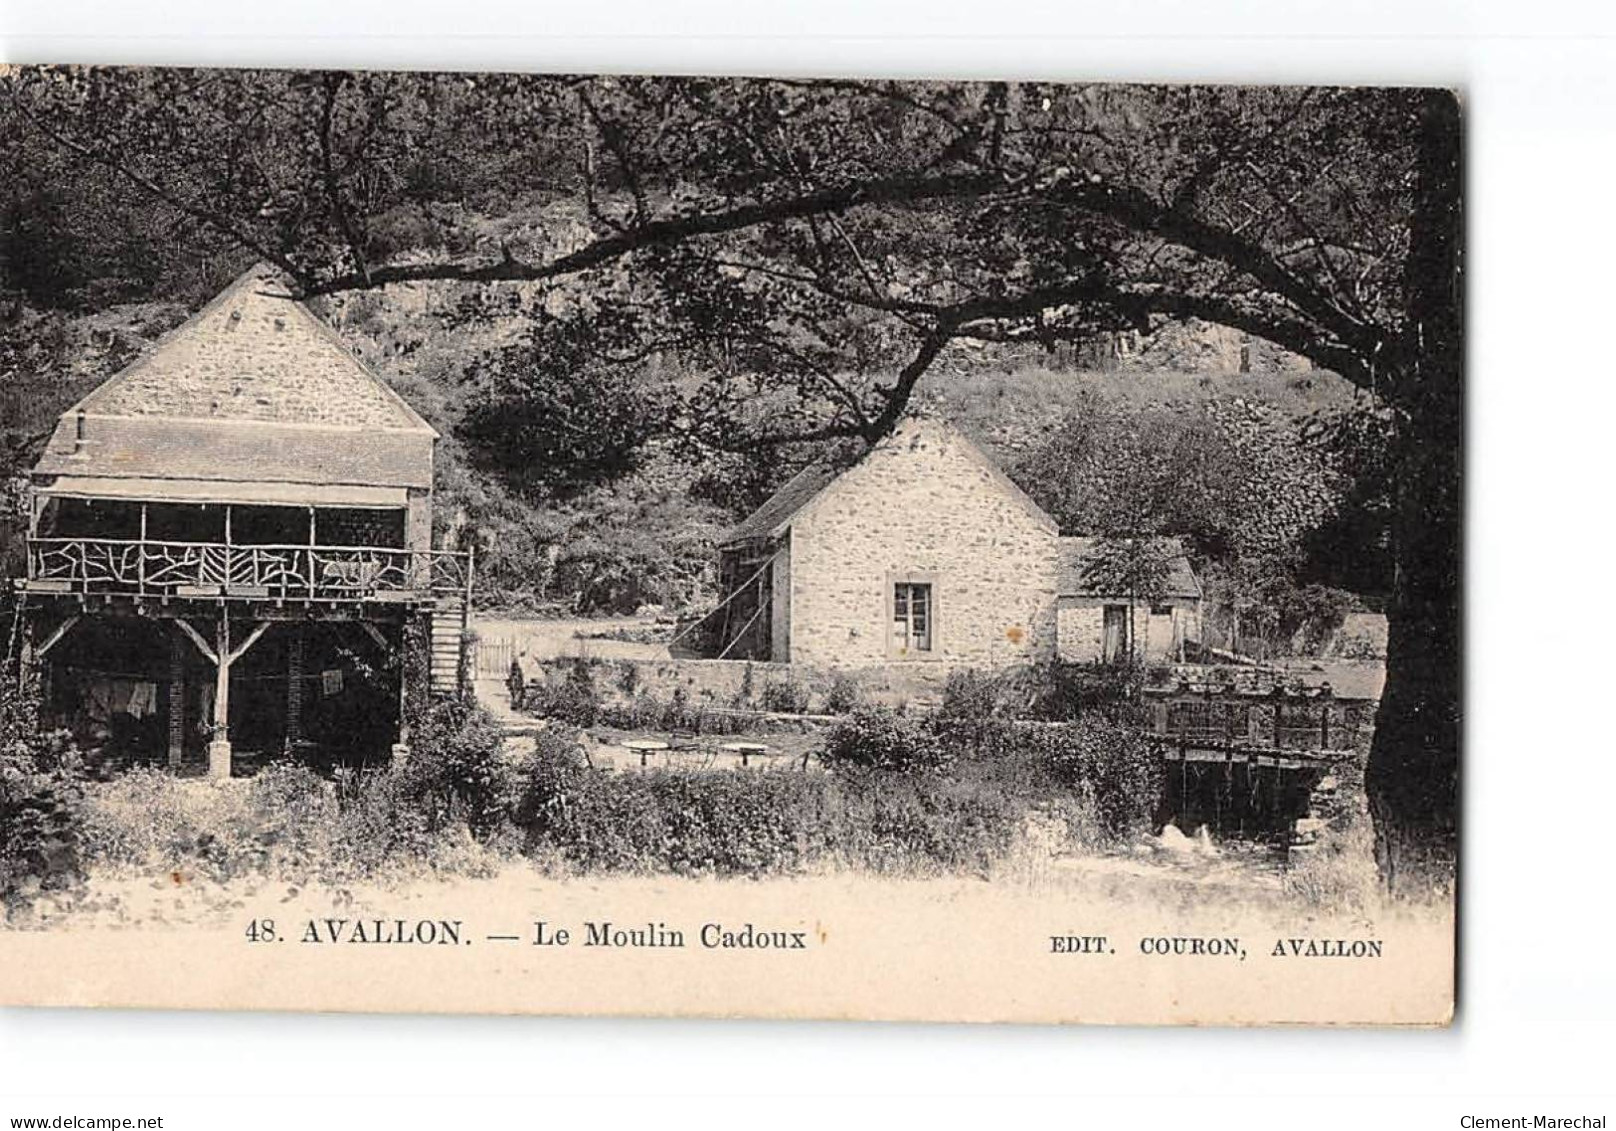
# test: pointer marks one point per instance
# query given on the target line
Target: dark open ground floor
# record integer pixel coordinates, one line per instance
(140, 690)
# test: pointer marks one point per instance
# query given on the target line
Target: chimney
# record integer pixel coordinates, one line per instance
(79, 441)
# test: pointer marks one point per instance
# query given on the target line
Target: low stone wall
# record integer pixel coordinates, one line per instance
(757, 684)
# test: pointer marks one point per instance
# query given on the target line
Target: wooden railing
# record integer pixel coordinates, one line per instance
(356, 573)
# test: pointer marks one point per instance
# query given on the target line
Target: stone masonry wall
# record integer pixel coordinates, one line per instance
(725, 683)
(1081, 622)
(254, 353)
(923, 507)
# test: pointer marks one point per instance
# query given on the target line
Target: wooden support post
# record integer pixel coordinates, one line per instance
(196, 638)
(294, 685)
(253, 637)
(219, 745)
(176, 702)
(55, 637)
(376, 634)
(401, 748)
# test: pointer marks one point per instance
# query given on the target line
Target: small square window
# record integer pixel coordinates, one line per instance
(1161, 609)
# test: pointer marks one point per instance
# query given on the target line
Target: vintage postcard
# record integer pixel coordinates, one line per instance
(952, 551)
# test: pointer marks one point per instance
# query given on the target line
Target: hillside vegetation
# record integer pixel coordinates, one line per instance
(570, 532)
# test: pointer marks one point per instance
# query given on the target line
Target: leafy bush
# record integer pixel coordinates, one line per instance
(1256, 607)
(844, 695)
(574, 698)
(548, 782)
(974, 719)
(1118, 769)
(40, 830)
(784, 696)
(41, 799)
(743, 823)
(456, 771)
(721, 823)
(876, 738)
(1062, 691)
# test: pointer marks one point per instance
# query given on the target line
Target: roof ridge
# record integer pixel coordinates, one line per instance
(123, 375)
(194, 368)
(750, 527)
(330, 334)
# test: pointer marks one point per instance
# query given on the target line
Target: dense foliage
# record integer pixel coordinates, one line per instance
(955, 791)
(879, 738)
(41, 799)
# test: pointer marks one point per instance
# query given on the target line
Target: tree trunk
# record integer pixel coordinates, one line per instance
(1413, 773)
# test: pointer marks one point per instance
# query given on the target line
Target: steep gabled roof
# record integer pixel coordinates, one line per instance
(254, 353)
(808, 486)
(777, 513)
(251, 388)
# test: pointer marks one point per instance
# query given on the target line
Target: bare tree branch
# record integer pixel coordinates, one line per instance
(334, 82)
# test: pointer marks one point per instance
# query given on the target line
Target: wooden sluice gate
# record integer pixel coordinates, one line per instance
(1250, 792)
(1248, 753)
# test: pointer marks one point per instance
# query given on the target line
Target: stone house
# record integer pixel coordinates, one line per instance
(229, 542)
(924, 551)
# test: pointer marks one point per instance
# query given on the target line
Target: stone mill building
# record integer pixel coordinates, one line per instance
(230, 549)
(924, 551)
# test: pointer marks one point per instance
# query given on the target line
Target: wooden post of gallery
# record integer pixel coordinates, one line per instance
(176, 703)
(294, 688)
(220, 655)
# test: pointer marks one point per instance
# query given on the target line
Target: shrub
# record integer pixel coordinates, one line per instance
(953, 824)
(1117, 769)
(549, 780)
(1062, 692)
(574, 698)
(974, 719)
(844, 695)
(628, 677)
(40, 830)
(741, 823)
(643, 712)
(677, 714)
(456, 770)
(968, 694)
(784, 696)
(877, 738)
(41, 799)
